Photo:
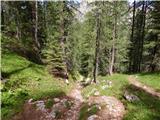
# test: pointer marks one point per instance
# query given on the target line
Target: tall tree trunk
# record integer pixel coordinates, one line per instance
(137, 41)
(18, 30)
(113, 42)
(131, 39)
(2, 17)
(152, 65)
(63, 36)
(35, 32)
(36, 25)
(95, 72)
(144, 8)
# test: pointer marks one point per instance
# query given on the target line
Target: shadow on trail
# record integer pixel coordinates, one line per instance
(6, 75)
(147, 105)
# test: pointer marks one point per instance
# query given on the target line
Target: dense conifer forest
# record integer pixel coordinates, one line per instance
(80, 60)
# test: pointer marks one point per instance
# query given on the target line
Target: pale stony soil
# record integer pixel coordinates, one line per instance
(110, 108)
(68, 108)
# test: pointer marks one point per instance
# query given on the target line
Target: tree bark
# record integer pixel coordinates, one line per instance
(37, 49)
(18, 30)
(136, 51)
(63, 36)
(144, 8)
(36, 25)
(113, 42)
(95, 72)
(131, 39)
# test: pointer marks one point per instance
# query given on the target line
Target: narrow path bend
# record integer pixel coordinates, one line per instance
(75, 93)
(147, 89)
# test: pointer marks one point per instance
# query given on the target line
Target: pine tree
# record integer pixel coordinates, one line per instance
(152, 44)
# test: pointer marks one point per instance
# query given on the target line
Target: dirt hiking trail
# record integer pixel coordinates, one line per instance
(69, 107)
(139, 85)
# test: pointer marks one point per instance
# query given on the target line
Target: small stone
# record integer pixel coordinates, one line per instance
(104, 87)
(41, 101)
(89, 104)
(92, 117)
(40, 106)
(109, 83)
(96, 93)
(30, 100)
(103, 80)
(99, 107)
(67, 81)
(63, 100)
(130, 97)
(56, 99)
(81, 78)
(88, 80)
(88, 109)
(53, 114)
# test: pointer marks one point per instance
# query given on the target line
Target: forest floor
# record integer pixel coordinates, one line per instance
(29, 91)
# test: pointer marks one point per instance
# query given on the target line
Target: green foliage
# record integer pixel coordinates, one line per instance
(148, 108)
(119, 82)
(54, 51)
(49, 103)
(68, 104)
(151, 46)
(87, 111)
(32, 82)
(150, 79)
(12, 101)
(9, 65)
(68, 45)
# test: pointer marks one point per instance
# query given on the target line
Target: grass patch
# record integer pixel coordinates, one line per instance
(68, 104)
(150, 79)
(12, 62)
(119, 82)
(87, 111)
(49, 103)
(26, 78)
(148, 108)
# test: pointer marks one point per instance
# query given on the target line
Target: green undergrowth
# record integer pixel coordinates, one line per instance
(147, 108)
(119, 82)
(23, 80)
(87, 111)
(150, 79)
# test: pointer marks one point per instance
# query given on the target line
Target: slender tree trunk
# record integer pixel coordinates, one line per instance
(2, 18)
(18, 35)
(138, 40)
(95, 72)
(144, 8)
(37, 49)
(152, 65)
(36, 25)
(113, 42)
(63, 36)
(132, 35)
